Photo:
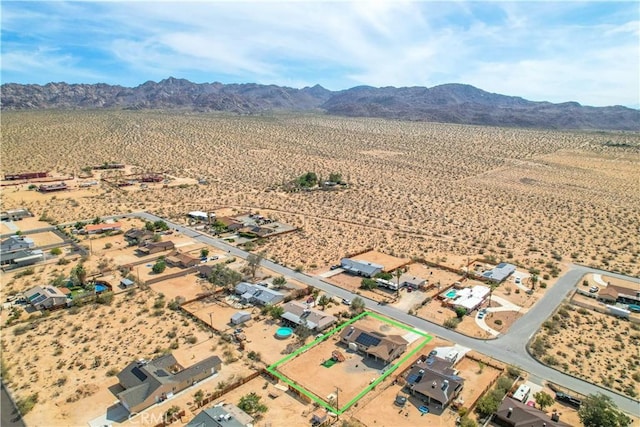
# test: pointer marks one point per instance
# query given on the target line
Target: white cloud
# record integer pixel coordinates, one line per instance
(543, 51)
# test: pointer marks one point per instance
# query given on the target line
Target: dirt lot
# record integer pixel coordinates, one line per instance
(71, 356)
(352, 376)
(592, 346)
(45, 238)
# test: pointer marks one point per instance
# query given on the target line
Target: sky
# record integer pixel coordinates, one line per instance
(588, 52)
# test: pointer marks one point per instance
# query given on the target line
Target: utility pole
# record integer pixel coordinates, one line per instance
(338, 389)
(211, 323)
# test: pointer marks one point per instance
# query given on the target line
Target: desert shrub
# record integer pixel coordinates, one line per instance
(451, 323)
(191, 339)
(56, 251)
(498, 322)
(112, 372)
(26, 404)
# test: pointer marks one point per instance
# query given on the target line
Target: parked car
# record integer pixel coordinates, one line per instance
(593, 289)
(570, 400)
(346, 301)
(334, 267)
(517, 280)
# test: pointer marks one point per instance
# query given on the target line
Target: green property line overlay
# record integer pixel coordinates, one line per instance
(273, 368)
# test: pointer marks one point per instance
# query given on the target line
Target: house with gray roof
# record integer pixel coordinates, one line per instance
(226, 415)
(15, 247)
(500, 272)
(147, 383)
(258, 294)
(15, 214)
(46, 297)
(360, 267)
(513, 413)
(434, 380)
(297, 313)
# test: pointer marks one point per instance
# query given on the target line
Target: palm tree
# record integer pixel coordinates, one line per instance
(492, 286)
(398, 275)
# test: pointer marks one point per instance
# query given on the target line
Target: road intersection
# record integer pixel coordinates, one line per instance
(510, 347)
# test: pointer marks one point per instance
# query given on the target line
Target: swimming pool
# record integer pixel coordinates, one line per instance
(283, 333)
(451, 294)
(100, 288)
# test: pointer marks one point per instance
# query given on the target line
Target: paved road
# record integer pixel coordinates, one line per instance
(509, 348)
(8, 414)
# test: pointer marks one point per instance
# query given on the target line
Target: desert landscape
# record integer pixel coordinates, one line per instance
(528, 196)
(416, 195)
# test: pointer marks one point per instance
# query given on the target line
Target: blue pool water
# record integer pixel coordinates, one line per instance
(451, 294)
(284, 332)
(100, 288)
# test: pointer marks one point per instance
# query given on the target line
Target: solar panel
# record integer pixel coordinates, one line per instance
(412, 378)
(139, 374)
(367, 340)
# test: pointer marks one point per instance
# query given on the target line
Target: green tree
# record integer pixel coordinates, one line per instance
(398, 274)
(384, 275)
(543, 400)
(534, 280)
(97, 220)
(335, 177)
(324, 301)
(56, 251)
(598, 410)
(204, 252)
(224, 276)
(488, 404)
(253, 263)
(198, 396)
(467, 422)
(460, 312)
(309, 179)
(159, 266)
(250, 403)
(79, 275)
(160, 225)
(368, 283)
(279, 282)
(302, 331)
(276, 311)
(357, 305)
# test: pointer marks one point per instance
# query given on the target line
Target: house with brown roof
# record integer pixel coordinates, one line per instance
(297, 313)
(182, 260)
(512, 413)
(46, 297)
(48, 188)
(614, 293)
(138, 236)
(434, 380)
(373, 343)
(147, 383)
(149, 248)
(230, 223)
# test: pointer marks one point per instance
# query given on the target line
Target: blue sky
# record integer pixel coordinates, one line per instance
(587, 52)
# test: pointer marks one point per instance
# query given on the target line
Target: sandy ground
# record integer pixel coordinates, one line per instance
(389, 262)
(593, 346)
(70, 354)
(541, 177)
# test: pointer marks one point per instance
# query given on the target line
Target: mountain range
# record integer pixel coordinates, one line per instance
(448, 103)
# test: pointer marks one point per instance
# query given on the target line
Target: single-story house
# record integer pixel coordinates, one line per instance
(126, 283)
(15, 214)
(200, 216)
(412, 281)
(182, 260)
(230, 223)
(470, 298)
(319, 417)
(374, 344)
(297, 313)
(240, 317)
(226, 415)
(360, 268)
(45, 297)
(149, 248)
(512, 413)
(138, 236)
(147, 383)
(24, 258)
(619, 294)
(500, 272)
(433, 380)
(48, 188)
(102, 228)
(258, 294)
(16, 243)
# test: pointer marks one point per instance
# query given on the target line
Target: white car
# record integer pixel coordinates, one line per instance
(517, 280)
(346, 301)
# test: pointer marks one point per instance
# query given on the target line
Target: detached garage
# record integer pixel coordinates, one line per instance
(240, 317)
